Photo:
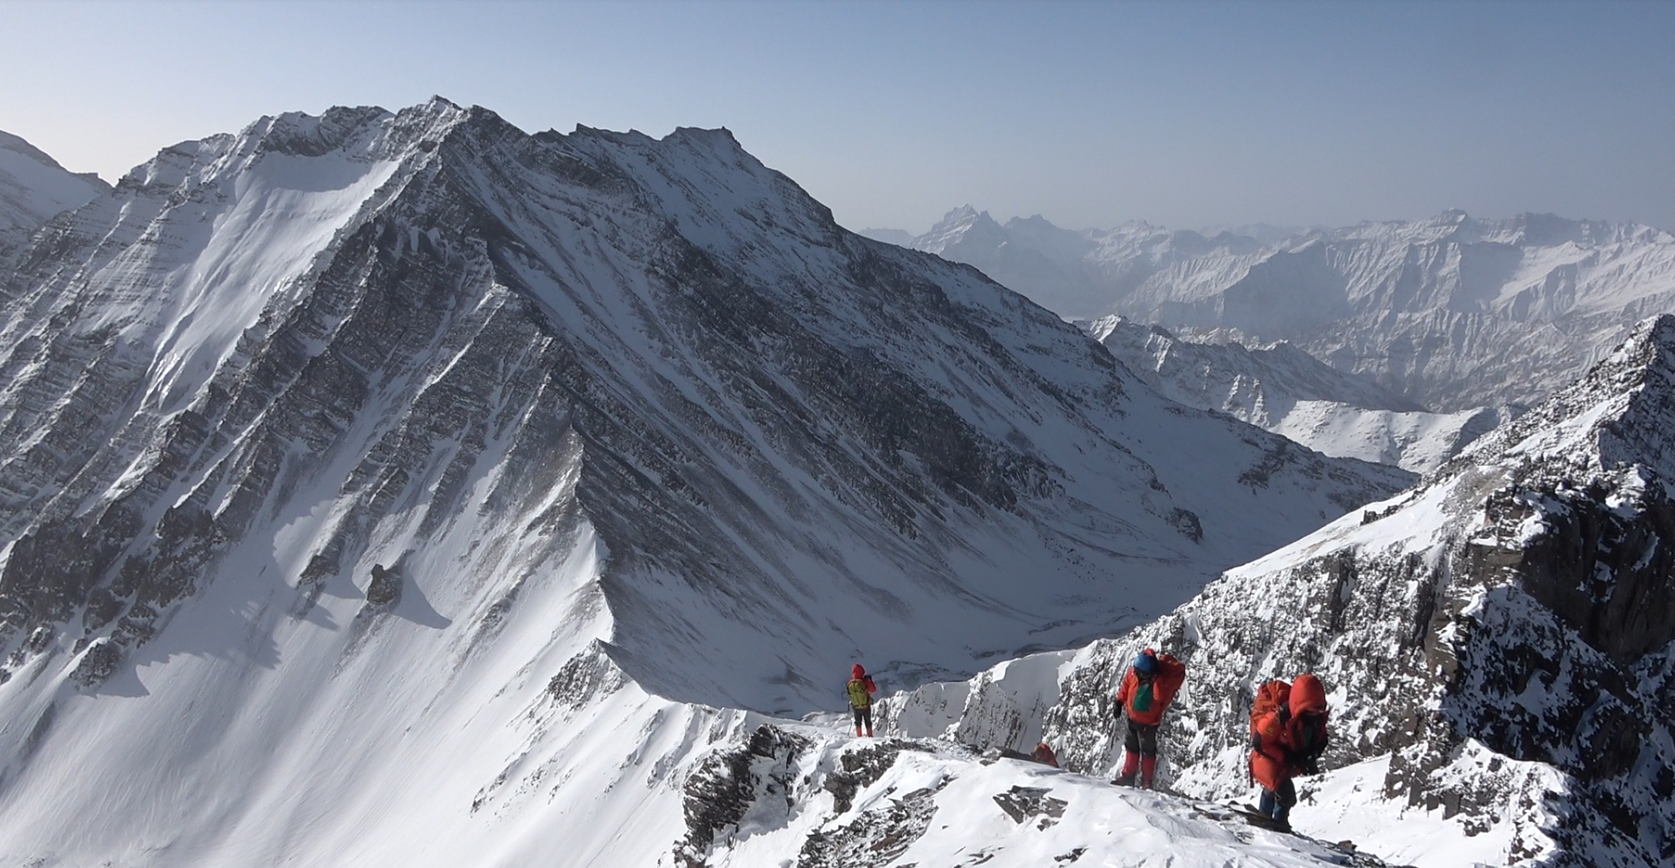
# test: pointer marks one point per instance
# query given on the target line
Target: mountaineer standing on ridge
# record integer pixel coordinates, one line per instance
(1145, 694)
(1288, 734)
(860, 691)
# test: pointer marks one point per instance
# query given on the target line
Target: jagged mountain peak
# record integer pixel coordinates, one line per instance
(964, 224)
(415, 466)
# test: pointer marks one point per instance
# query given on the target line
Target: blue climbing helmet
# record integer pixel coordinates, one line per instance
(1146, 663)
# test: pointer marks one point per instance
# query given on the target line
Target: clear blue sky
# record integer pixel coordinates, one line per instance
(1185, 114)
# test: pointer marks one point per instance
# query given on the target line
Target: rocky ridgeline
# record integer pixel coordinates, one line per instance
(795, 798)
(1502, 633)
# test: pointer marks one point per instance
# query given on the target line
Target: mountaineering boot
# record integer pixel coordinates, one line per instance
(857, 732)
(1130, 766)
(1148, 770)
(869, 732)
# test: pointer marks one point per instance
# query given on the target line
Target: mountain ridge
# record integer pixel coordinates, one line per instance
(1287, 391)
(1451, 311)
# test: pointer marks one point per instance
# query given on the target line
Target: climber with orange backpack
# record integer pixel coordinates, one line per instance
(1145, 694)
(1288, 734)
(860, 692)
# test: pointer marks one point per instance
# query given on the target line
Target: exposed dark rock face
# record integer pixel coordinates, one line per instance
(731, 783)
(861, 769)
(584, 678)
(875, 838)
(1025, 803)
(97, 663)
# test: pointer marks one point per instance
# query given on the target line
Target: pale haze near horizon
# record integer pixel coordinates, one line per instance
(1090, 114)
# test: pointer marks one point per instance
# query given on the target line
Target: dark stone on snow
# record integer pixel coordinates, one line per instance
(385, 588)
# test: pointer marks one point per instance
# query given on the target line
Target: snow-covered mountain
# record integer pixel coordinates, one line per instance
(1289, 392)
(1452, 312)
(33, 190)
(370, 473)
(1499, 647)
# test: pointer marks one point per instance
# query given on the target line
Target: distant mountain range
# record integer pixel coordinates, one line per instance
(1453, 313)
(1289, 392)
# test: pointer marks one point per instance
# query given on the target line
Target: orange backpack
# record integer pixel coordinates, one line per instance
(1271, 697)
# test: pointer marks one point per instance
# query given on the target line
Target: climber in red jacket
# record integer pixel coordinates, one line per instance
(1145, 694)
(1288, 735)
(860, 691)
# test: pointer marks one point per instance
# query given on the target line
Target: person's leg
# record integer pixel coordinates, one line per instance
(1266, 803)
(1131, 754)
(1148, 755)
(1285, 798)
(857, 712)
(866, 713)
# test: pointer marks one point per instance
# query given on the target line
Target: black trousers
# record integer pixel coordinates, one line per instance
(1142, 738)
(863, 716)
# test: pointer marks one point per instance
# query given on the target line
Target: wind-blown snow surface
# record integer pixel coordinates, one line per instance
(1287, 391)
(33, 190)
(1498, 646)
(1452, 312)
(377, 472)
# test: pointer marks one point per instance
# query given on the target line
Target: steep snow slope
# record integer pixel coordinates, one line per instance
(34, 189)
(1289, 392)
(343, 438)
(1499, 647)
(1452, 312)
